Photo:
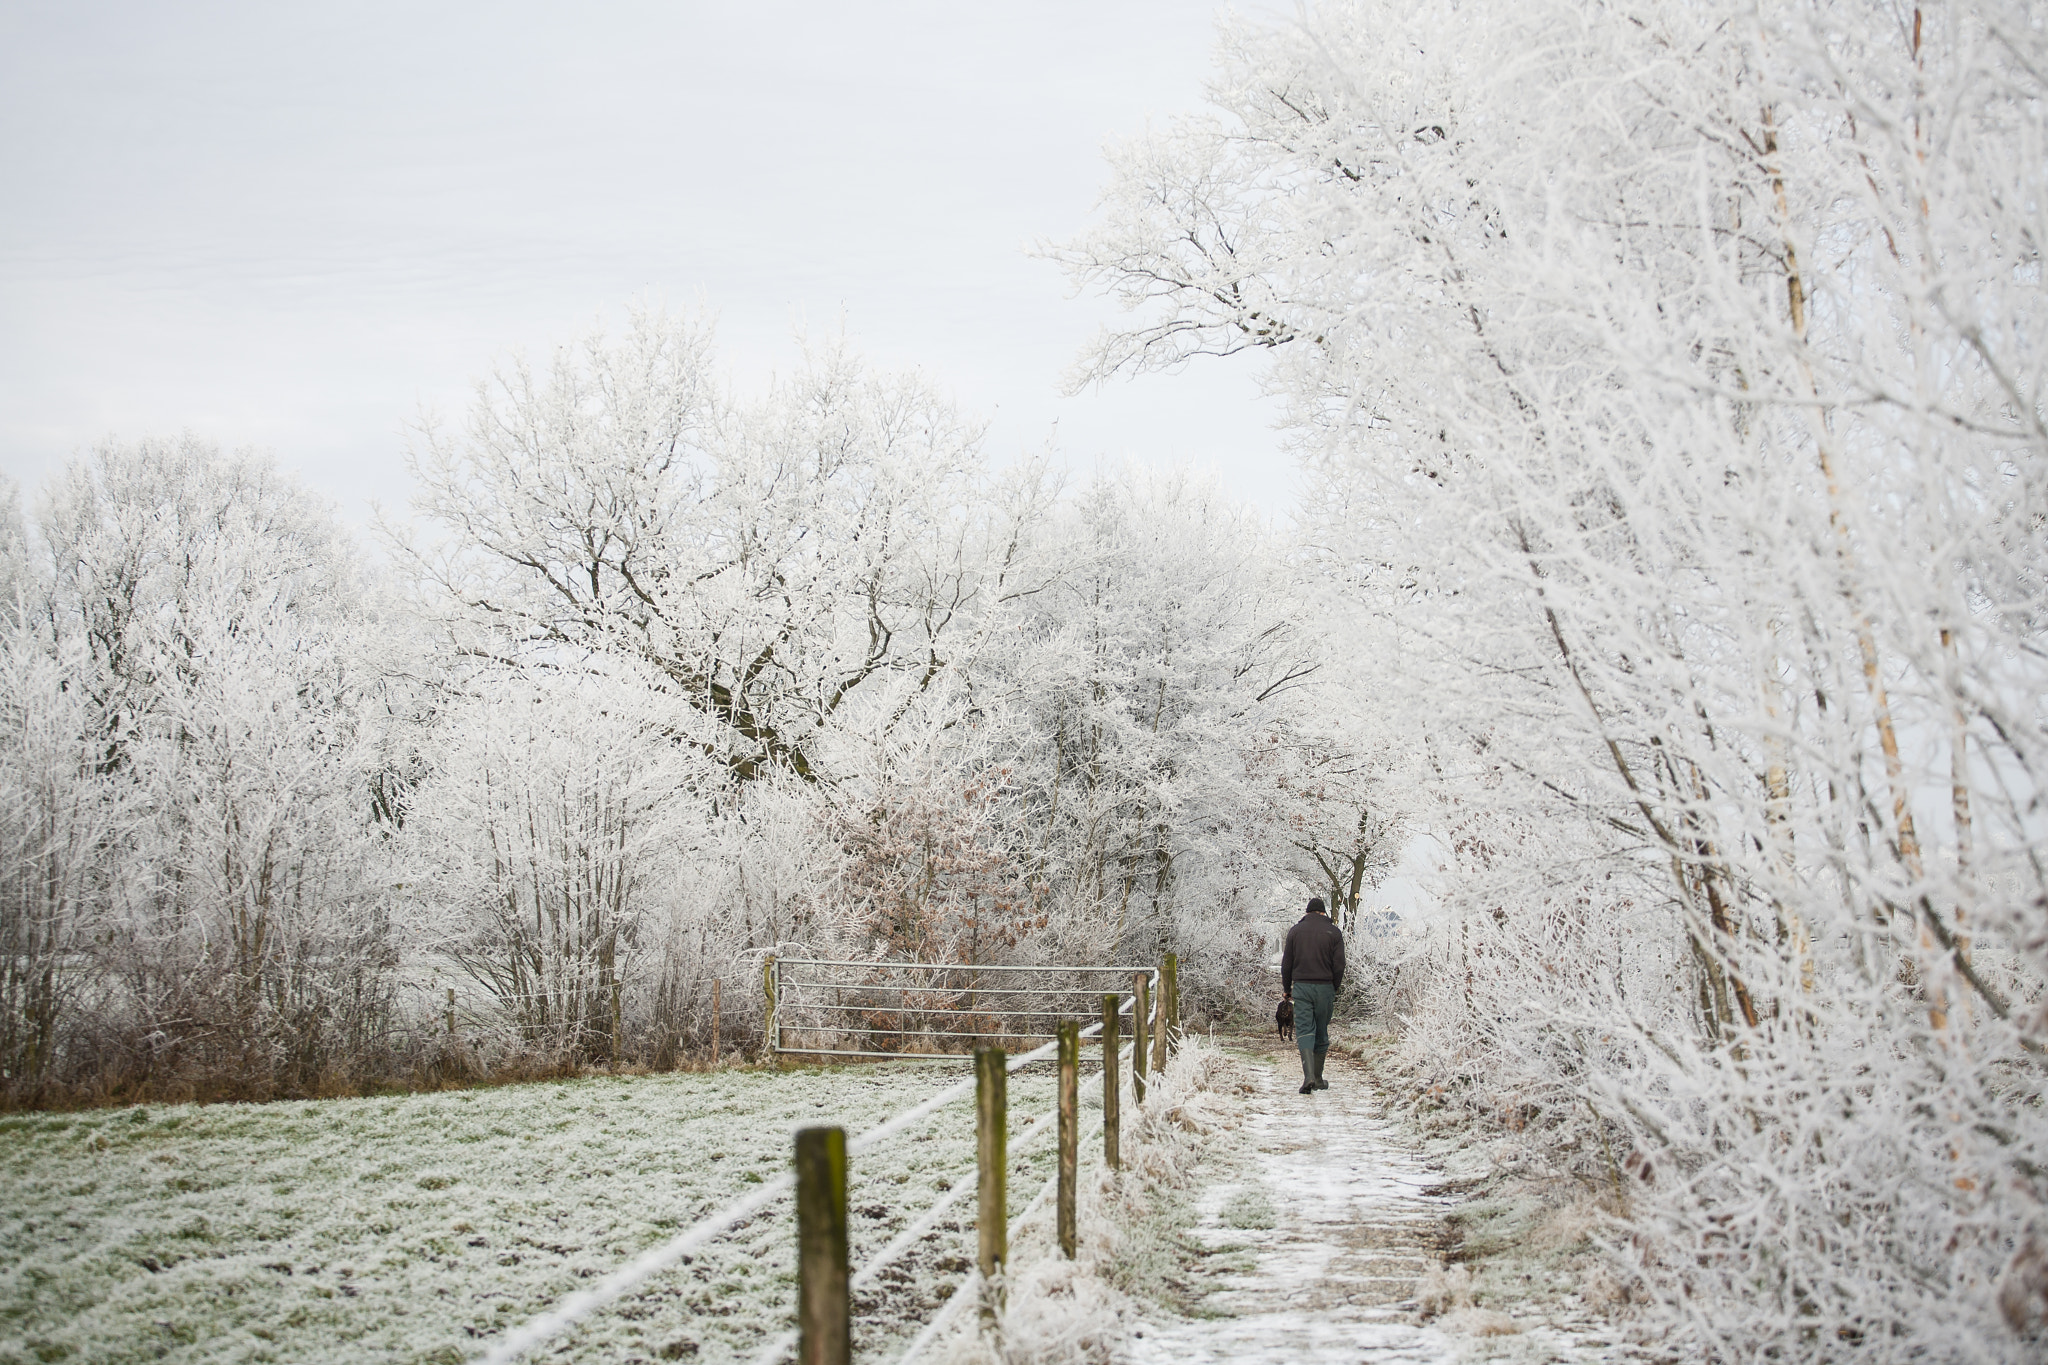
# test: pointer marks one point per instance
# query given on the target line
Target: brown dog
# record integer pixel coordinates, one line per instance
(1283, 1018)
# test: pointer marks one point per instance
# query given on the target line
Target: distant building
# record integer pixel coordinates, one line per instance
(1381, 923)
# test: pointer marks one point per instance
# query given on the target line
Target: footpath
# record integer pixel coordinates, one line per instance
(1322, 1239)
(1337, 1225)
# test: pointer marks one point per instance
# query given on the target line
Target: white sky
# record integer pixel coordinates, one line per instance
(289, 226)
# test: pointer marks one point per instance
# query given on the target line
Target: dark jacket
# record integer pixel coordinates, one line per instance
(1314, 952)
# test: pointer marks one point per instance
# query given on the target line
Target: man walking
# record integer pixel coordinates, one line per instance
(1311, 970)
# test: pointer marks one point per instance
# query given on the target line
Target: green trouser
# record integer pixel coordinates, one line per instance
(1313, 1003)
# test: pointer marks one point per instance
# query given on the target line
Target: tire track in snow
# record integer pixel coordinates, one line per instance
(1333, 1278)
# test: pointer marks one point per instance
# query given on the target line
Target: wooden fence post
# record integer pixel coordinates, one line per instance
(771, 1036)
(1070, 1133)
(992, 1165)
(714, 1021)
(824, 1314)
(1158, 1030)
(1112, 1044)
(1141, 1015)
(1169, 1002)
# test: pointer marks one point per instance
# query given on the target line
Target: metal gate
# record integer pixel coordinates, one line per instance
(829, 1007)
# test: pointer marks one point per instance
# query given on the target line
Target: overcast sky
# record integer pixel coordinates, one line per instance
(289, 226)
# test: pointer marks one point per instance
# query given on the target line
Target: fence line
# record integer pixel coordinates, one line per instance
(942, 1319)
(975, 1013)
(637, 1271)
(990, 1033)
(938, 966)
(904, 1240)
(798, 1009)
(930, 989)
(616, 1285)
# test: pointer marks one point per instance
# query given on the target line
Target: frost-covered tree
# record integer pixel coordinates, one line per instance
(788, 580)
(1341, 807)
(152, 544)
(61, 820)
(1678, 370)
(18, 586)
(1136, 697)
(558, 820)
(768, 560)
(931, 871)
(203, 628)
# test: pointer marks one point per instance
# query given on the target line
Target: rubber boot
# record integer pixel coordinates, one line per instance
(1308, 1072)
(1319, 1082)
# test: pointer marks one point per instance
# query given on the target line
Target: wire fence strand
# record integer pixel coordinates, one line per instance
(904, 1240)
(653, 1261)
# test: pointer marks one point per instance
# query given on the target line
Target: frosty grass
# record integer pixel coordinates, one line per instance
(419, 1227)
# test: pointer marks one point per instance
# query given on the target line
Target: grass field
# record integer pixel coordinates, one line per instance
(416, 1228)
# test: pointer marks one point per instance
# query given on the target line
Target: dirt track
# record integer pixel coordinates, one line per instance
(1316, 1241)
(1349, 1229)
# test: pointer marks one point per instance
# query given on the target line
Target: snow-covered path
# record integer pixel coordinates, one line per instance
(1331, 1206)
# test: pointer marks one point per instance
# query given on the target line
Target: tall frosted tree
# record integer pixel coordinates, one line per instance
(191, 680)
(1142, 697)
(1678, 368)
(770, 561)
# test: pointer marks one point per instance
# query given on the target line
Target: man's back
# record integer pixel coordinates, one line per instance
(1314, 952)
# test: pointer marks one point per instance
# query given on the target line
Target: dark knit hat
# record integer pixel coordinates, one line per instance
(1315, 906)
